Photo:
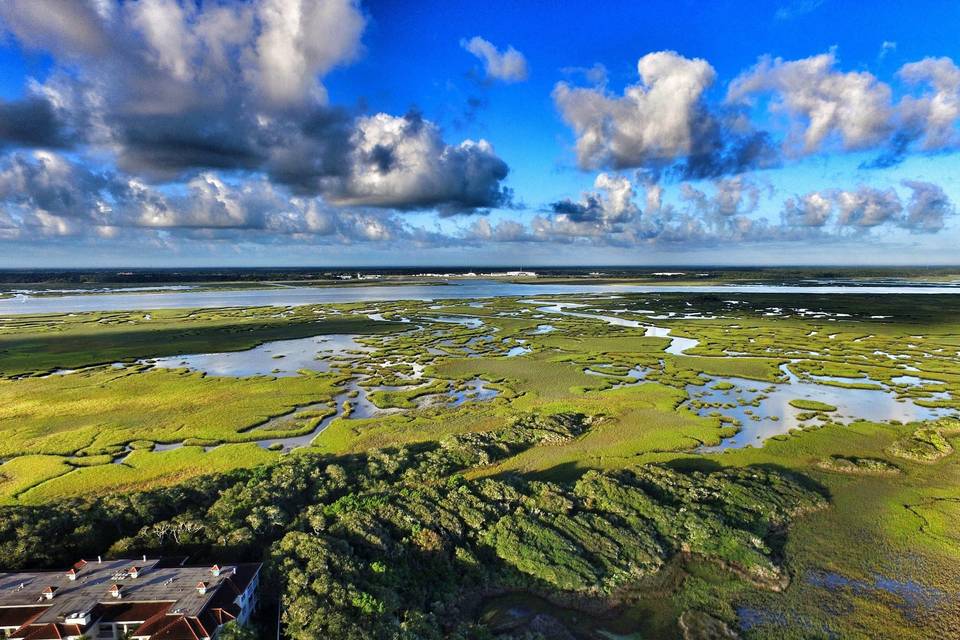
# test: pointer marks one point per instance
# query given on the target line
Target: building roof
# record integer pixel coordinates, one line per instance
(163, 596)
(14, 617)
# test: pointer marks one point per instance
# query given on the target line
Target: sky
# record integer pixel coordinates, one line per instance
(334, 133)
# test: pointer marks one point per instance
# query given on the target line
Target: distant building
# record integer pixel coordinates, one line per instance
(143, 599)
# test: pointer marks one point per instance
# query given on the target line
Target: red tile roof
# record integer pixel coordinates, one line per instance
(131, 611)
(18, 616)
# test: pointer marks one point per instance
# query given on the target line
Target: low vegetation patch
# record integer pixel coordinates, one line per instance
(858, 466)
(811, 405)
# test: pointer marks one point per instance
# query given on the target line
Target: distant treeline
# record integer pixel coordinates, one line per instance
(93, 277)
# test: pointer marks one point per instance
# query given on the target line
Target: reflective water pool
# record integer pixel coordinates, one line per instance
(775, 416)
(277, 358)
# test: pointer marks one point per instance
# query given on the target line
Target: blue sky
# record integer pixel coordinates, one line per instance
(276, 132)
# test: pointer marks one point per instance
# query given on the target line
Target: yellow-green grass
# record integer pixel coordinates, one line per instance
(31, 344)
(896, 526)
(633, 421)
(764, 369)
(19, 474)
(537, 376)
(357, 436)
(97, 410)
(605, 344)
(144, 470)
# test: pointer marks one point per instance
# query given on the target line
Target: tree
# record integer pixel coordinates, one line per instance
(234, 631)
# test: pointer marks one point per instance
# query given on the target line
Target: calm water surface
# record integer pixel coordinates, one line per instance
(289, 296)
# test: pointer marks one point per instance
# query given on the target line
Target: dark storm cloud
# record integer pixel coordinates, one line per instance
(32, 122)
(590, 210)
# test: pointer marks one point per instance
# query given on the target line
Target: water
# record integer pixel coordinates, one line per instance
(634, 376)
(475, 390)
(912, 596)
(279, 358)
(677, 345)
(290, 296)
(912, 381)
(851, 404)
(562, 309)
(469, 322)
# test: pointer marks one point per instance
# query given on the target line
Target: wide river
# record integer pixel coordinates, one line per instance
(286, 296)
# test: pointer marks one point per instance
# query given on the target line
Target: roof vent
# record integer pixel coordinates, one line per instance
(81, 618)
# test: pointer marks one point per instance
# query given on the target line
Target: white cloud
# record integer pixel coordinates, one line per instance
(928, 207)
(604, 210)
(933, 115)
(508, 65)
(867, 207)
(810, 210)
(820, 102)
(404, 163)
(73, 28)
(301, 40)
(658, 120)
(164, 25)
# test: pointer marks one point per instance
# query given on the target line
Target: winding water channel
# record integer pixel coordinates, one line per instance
(762, 410)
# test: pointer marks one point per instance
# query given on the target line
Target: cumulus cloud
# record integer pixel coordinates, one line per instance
(667, 123)
(821, 102)
(865, 207)
(73, 28)
(508, 65)
(662, 121)
(656, 120)
(826, 108)
(172, 89)
(301, 42)
(932, 116)
(500, 231)
(731, 197)
(724, 210)
(810, 210)
(45, 194)
(611, 204)
(403, 162)
(928, 207)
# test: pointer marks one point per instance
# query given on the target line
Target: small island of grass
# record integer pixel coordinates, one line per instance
(811, 405)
